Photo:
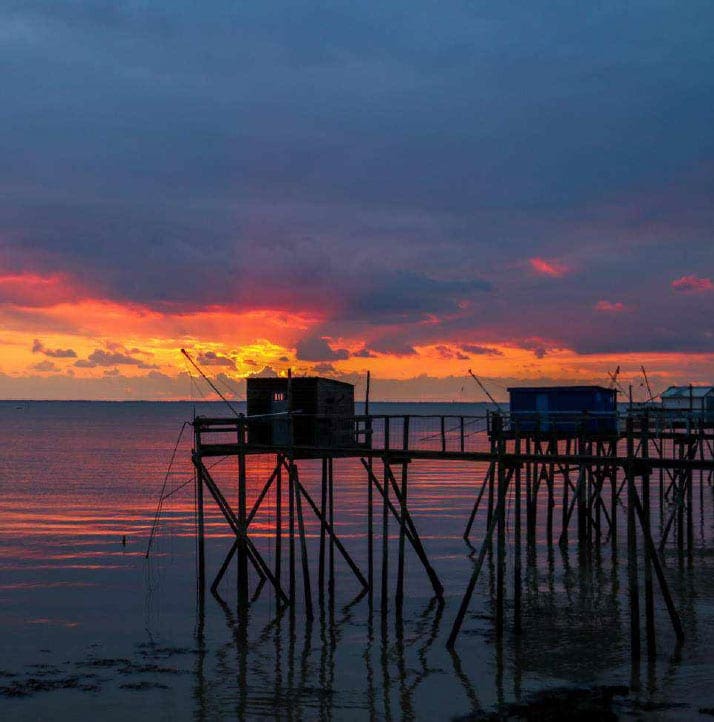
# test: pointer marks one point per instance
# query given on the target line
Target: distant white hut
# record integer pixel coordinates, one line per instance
(698, 399)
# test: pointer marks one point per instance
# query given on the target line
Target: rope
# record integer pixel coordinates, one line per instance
(163, 489)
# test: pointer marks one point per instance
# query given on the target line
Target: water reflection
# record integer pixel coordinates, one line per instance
(65, 553)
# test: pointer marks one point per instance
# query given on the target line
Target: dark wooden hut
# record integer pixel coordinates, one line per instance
(322, 411)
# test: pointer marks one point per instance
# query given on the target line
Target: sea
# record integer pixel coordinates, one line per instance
(93, 628)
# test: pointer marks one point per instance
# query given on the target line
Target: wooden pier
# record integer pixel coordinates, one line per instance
(592, 480)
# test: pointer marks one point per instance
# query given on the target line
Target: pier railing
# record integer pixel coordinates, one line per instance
(445, 433)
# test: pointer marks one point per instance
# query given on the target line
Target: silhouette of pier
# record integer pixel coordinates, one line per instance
(603, 485)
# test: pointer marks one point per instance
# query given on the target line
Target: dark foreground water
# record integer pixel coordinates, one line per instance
(91, 630)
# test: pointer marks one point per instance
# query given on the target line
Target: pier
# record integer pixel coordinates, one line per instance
(624, 487)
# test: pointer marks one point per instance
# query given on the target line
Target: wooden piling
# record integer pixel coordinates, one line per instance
(370, 532)
(501, 542)
(303, 546)
(385, 542)
(200, 531)
(649, 596)
(278, 517)
(242, 551)
(402, 521)
(331, 521)
(291, 494)
(323, 509)
(632, 574)
(517, 544)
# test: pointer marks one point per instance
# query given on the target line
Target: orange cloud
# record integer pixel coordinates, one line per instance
(693, 284)
(610, 307)
(33, 290)
(553, 268)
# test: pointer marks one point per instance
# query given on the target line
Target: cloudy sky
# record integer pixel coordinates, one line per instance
(415, 188)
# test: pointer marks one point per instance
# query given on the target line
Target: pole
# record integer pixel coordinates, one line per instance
(632, 548)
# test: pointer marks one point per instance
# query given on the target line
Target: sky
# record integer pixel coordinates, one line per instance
(416, 188)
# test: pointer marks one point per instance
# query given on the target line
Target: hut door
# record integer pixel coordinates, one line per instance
(281, 427)
(542, 409)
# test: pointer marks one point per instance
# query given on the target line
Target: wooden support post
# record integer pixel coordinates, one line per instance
(661, 481)
(242, 551)
(201, 543)
(240, 531)
(278, 517)
(566, 493)
(385, 541)
(370, 531)
(291, 534)
(323, 509)
(501, 543)
(402, 522)
(331, 522)
(466, 599)
(402, 539)
(491, 478)
(411, 532)
(517, 544)
(303, 545)
(664, 588)
(581, 495)
(597, 498)
(550, 481)
(649, 596)
(689, 476)
(443, 435)
(632, 547)
(530, 499)
(330, 530)
(613, 502)
(474, 510)
(681, 474)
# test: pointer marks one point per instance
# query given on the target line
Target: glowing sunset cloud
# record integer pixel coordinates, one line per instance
(693, 284)
(556, 269)
(610, 307)
(352, 215)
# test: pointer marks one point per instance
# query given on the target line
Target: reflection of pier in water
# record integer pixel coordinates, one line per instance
(630, 491)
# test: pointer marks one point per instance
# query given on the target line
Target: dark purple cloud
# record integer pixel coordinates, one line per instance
(112, 357)
(39, 347)
(211, 358)
(393, 166)
(314, 348)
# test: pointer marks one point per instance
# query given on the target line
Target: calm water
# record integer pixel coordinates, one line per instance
(90, 629)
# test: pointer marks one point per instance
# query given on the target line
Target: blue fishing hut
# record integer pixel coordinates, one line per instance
(563, 410)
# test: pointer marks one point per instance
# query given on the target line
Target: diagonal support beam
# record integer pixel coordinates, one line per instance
(234, 547)
(235, 525)
(479, 564)
(652, 554)
(411, 532)
(331, 532)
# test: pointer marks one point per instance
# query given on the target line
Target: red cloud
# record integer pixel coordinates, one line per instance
(610, 307)
(36, 291)
(693, 284)
(553, 268)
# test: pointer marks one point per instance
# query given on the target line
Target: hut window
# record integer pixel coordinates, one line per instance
(279, 396)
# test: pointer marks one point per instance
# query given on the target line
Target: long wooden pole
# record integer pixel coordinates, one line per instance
(303, 545)
(634, 592)
(517, 543)
(466, 599)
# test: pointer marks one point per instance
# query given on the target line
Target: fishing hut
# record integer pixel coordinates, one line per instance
(697, 400)
(594, 466)
(563, 410)
(303, 411)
